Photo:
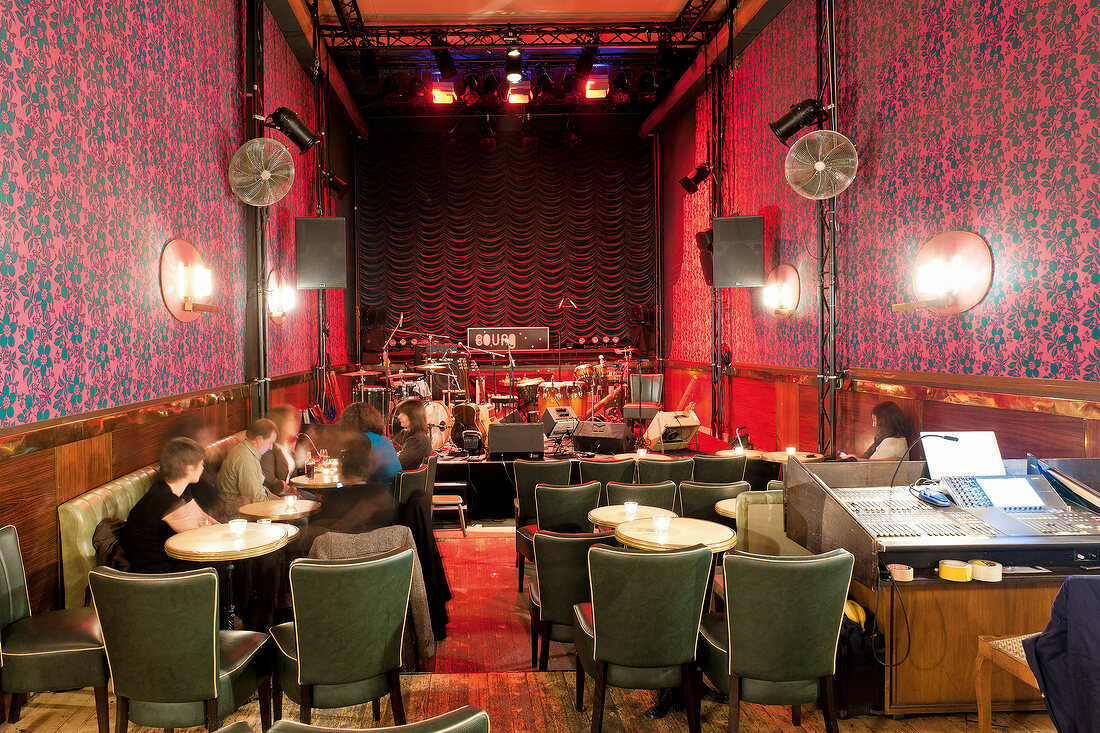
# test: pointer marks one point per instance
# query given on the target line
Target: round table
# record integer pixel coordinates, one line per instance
(612, 515)
(682, 532)
(727, 507)
(318, 482)
(277, 510)
(215, 543)
(646, 457)
(781, 456)
(733, 452)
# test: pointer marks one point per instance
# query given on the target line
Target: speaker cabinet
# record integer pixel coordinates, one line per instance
(522, 440)
(600, 437)
(321, 247)
(558, 420)
(739, 252)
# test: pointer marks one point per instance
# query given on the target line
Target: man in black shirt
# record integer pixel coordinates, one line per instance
(167, 508)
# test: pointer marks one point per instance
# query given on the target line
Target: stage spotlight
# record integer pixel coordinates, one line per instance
(569, 88)
(691, 183)
(598, 84)
(443, 59)
(647, 89)
(803, 114)
(391, 93)
(470, 94)
(513, 65)
(545, 88)
(416, 93)
(490, 90)
(665, 64)
(368, 65)
(488, 137)
(620, 89)
(519, 92)
(584, 62)
(528, 133)
(443, 92)
(336, 184)
(295, 130)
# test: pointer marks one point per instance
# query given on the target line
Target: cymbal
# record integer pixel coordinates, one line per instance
(404, 375)
(361, 373)
(626, 350)
(435, 367)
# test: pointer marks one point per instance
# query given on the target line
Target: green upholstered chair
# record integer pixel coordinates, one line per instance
(565, 508)
(528, 475)
(409, 482)
(561, 581)
(775, 485)
(463, 720)
(429, 481)
(697, 499)
(620, 471)
(776, 643)
(55, 650)
(676, 470)
(641, 627)
(719, 469)
(661, 495)
(344, 645)
(172, 667)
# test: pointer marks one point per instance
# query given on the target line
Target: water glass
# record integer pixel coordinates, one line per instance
(237, 526)
(631, 508)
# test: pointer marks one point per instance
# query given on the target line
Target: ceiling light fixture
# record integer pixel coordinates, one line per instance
(513, 64)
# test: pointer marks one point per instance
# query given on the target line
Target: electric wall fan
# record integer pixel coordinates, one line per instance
(261, 171)
(821, 164)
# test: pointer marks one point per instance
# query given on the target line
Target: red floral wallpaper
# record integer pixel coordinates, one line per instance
(975, 115)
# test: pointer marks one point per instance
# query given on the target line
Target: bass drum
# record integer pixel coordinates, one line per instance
(436, 415)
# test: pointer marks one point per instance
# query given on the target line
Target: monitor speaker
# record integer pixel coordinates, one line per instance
(563, 418)
(600, 437)
(321, 246)
(739, 252)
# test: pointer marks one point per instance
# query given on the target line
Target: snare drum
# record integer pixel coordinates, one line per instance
(561, 394)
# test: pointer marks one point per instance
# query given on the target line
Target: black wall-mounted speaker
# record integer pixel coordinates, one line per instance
(600, 437)
(739, 252)
(320, 243)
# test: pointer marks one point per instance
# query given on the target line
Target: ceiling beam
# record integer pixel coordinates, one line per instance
(295, 22)
(529, 35)
(749, 19)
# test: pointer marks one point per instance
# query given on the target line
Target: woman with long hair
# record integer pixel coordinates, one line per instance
(365, 419)
(413, 444)
(892, 433)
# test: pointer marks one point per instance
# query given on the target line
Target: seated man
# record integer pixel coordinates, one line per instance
(167, 508)
(241, 480)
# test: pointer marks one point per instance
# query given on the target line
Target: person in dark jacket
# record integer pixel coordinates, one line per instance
(413, 444)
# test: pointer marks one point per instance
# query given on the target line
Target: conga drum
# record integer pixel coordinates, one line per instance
(561, 394)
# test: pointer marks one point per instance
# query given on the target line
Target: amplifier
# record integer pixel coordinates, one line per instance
(508, 441)
(600, 437)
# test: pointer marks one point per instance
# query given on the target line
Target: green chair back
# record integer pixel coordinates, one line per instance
(784, 614)
(646, 606)
(760, 525)
(697, 499)
(661, 495)
(531, 473)
(566, 508)
(676, 470)
(719, 469)
(561, 566)
(621, 472)
(429, 480)
(463, 720)
(775, 485)
(349, 616)
(160, 632)
(15, 600)
(409, 482)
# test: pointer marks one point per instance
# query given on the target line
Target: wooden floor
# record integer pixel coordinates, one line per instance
(485, 661)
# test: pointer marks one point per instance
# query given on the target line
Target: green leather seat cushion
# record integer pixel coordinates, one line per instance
(243, 664)
(713, 653)
(55, 650)
(558, 632)
(643, 678)
(324, 696)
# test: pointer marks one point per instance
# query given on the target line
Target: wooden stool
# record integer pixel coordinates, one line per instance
(1006, 652)
(451, 503)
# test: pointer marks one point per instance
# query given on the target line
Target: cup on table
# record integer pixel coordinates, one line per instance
(291, 500)
(662, 524)
(631, 508)
(237, 527)
(263, 520)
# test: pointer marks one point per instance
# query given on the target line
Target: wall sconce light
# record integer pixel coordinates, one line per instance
(185, 283)
(281, 297)
(952, 273)
(782, 291)
(691, 183)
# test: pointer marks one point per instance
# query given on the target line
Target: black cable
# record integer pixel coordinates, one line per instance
(904, 614)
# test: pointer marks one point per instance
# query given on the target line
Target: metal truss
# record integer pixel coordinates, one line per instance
(538, 35)
(692, 14)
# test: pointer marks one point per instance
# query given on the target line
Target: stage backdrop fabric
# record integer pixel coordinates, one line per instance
(456, 235)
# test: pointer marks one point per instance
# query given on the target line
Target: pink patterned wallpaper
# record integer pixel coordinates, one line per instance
(976, 116)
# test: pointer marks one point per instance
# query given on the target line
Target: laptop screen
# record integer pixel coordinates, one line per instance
(975, 454)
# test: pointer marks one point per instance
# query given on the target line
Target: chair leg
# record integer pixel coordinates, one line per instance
(462, 518)
(396, 701)
(827, 694)
(101, 716)
(579, 706)
(122, 714)
(16, 706)
(692, 700)
(212, 720)
(796, 715)
(376, 709)
(735, 704)
(305, 714)
(544, 655)
(519, 564)
(276, 698)
(598, 698)
(264, 691)
(534, 638)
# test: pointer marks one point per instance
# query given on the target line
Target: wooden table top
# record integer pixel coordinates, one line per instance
(317, 482)
(727, 507)
(646, 457)
(277, 509)
(612, 515)
(732, 452)
(781, 456)
(682, 532)
(215, 543)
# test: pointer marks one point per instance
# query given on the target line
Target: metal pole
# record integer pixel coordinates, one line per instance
(256, 336)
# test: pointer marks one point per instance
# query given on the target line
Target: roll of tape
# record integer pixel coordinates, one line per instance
(956, 570)
(900, 573)
(986, 570)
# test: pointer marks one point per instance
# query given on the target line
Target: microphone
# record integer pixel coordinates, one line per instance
(737, 434)
(299, 436)
(952, 438)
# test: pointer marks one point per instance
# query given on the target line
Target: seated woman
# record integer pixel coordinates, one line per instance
(892, 433)
(167, 508)
(365, 419)
(279, 463)
(413, 444)
(361, 504)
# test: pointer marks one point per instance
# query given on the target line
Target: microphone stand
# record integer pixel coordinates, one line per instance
(512, 377)
(890, 494)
